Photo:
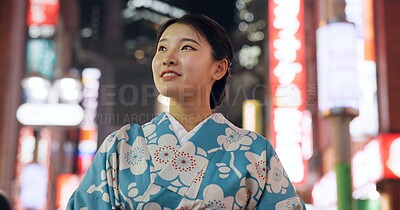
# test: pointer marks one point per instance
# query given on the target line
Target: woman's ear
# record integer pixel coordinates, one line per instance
(222, 67)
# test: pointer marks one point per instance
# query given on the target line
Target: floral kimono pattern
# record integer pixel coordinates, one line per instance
(220, 167)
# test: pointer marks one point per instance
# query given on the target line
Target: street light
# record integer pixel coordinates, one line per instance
(51, 104)
(36, 89)
(338, 95)
(69, 90)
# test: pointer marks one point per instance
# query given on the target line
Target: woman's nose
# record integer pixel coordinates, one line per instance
(167, 61)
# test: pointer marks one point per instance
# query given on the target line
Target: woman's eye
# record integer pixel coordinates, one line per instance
(161, 48)
(187, 47)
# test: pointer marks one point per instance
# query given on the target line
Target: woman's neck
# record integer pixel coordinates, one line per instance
(189, 116)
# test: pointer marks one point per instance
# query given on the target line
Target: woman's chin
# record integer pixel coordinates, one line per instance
(169, 94)
(168, 91)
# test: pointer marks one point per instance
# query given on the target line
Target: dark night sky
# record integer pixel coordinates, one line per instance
(220, 10)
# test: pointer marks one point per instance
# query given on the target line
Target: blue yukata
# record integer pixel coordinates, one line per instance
(220, 166)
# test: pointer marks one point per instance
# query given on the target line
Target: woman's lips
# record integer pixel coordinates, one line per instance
(169, 75)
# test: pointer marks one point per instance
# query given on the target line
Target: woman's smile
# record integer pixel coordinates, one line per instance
(169, 75)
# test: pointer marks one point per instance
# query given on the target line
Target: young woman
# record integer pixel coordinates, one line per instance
(189, 158)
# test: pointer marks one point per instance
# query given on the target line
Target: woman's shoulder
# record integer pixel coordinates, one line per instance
(123, 131)
(247, 131)
(130, 132)
(258, 139)
(127, 133)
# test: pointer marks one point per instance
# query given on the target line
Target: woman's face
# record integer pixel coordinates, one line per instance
(183, 66)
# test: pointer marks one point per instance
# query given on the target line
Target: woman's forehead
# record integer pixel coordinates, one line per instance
(182, 30)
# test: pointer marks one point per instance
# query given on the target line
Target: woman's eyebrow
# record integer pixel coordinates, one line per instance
(190, 40)
(182, 40)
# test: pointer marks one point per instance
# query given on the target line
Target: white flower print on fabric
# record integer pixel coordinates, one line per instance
(108, 143)
(164, 154)
(133, 157)
(149, 131)
(107, 178)
(247, 194)
(93, 188)
(132, 190)
(219, 118)
(213, 198)
(199, 177)
(128, 202)
(195, 186)
(164, 151)
(223, 170)
(112, 174)
(152, 206)
(183, 162)
(257, 167)
(235, 139)
(290, 203)
(183, 208)
(122, 133)
(152, 190)
(185, 165)
(189, 204)
(277, 181)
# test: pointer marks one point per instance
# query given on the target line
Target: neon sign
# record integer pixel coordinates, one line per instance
(390, 154)
(88, 129)
(290, 131)
(43, 12)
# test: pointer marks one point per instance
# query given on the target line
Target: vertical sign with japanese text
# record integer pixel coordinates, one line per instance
(290, 121)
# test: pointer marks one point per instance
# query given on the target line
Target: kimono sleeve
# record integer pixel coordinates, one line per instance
(278, 192)
(85, 201)
(96, 188)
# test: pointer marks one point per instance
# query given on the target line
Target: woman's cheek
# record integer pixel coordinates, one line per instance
(155, 67)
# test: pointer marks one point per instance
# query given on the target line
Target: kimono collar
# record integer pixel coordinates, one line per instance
(181, 133)
(180, 167)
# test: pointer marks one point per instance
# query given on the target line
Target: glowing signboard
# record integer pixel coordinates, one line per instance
(252, 116)
(287, 80)
(33, 186)
(324, 192)
(43, 12)
(88, 129)
(41, 57)
(337, 67)
(66, 185)
(367, 165)
(377, 160)
(390, 144)
(50, 114)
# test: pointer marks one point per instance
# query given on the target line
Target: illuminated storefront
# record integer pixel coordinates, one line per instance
(50, 113)
(290, 121)
(374, 162)
(373, 150)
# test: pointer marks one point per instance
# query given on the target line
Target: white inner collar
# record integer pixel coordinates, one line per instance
(181, 133)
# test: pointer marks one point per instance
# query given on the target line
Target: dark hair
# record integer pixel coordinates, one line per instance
(219, 41)
(4, 203)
